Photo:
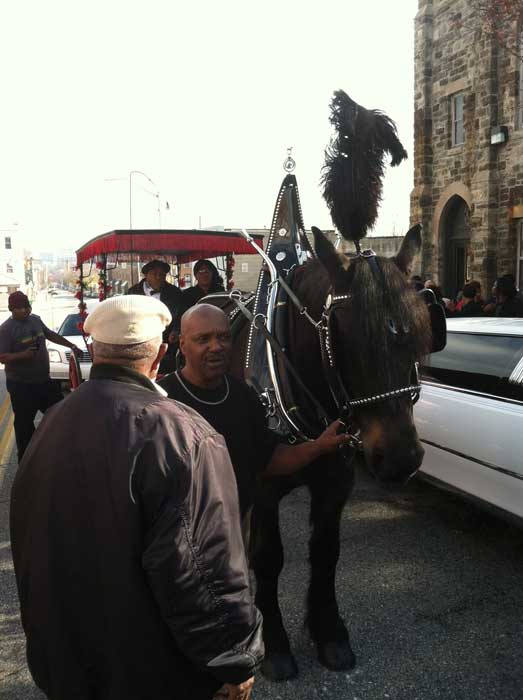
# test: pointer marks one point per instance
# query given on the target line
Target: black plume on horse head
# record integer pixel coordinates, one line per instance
(354, 164)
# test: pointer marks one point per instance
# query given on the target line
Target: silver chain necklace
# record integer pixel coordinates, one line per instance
(196, 398)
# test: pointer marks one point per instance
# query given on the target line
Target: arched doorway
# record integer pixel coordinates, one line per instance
(456, 246)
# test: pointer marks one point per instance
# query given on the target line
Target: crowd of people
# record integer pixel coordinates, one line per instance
(505, 300)
(130, 507)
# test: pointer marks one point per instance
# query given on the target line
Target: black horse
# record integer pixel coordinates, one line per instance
(380, 330)
(373, 332)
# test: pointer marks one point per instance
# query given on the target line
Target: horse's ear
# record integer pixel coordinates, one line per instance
(327, 254)
(410, 247)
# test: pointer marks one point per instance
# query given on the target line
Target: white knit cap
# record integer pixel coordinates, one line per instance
(127, 320)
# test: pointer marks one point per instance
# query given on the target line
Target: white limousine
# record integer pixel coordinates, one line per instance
(470, 413)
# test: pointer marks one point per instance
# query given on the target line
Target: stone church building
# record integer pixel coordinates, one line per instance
(468, 133)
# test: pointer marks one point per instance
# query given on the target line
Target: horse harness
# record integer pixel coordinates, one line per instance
(344, 403)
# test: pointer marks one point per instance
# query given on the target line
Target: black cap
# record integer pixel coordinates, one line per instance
(152, 264)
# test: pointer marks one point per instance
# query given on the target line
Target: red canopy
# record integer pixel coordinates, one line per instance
(184, 245)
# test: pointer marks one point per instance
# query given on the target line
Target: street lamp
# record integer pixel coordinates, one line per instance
(156, 194)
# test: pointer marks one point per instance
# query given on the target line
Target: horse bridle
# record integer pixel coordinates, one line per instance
(344, 403)
(341, 396)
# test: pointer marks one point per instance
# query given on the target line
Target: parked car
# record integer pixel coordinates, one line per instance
(470, 413)
(59, 355)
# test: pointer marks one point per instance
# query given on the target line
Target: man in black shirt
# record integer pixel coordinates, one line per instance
(232, 408)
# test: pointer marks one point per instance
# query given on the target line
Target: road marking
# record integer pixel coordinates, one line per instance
(6, 446)
(4, 408)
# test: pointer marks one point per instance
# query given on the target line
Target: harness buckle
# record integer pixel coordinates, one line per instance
(235, 294)
(259, 319)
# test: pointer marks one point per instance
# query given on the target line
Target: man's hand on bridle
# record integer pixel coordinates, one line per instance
(236, 692)
(331, 438)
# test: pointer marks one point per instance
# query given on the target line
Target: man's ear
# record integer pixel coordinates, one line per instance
(159, 357)
(327, 255)
(410, 247)
(181, 342)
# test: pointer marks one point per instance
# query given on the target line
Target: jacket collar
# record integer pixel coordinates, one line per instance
(118, 373)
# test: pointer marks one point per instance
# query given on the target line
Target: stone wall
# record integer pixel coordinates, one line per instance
(453, 56)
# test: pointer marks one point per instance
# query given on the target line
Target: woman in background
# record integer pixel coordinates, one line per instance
(208, 281)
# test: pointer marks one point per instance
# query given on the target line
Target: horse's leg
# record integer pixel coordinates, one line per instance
(330, 487)
(267, 562)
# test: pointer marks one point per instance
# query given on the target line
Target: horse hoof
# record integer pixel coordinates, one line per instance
(279, 666)
(336, 656)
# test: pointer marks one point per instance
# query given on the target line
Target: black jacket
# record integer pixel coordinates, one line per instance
(170, 295)
(192, 296)
(473, 308)
(511, 307)
(127, 549)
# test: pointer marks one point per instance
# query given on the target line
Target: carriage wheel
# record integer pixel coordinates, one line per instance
(75, 372)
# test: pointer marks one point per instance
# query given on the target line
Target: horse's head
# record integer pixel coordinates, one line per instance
(379, 329)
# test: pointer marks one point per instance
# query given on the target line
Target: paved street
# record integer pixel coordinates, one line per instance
(431, 588)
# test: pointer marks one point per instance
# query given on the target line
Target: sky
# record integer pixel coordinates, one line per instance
(202, 97)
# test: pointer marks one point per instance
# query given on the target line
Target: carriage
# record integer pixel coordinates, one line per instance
(133, 248)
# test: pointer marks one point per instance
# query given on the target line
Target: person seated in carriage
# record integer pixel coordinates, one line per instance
(208, 281)
(154, 284)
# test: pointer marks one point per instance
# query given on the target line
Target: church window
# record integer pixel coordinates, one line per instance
(458, 132)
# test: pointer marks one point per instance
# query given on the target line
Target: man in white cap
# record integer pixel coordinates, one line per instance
(125, 534)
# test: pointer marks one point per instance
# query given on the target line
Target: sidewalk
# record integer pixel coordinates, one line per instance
(15, 682)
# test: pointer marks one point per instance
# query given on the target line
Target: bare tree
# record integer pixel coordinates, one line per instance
(500, 19)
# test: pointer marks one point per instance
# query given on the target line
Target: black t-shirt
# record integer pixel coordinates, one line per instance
(240, 418)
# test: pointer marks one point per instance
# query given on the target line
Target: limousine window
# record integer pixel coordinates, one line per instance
(481, 363)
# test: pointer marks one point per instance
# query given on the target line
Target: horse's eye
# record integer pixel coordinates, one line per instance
(392, 327)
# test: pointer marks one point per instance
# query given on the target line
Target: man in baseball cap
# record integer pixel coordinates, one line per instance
(23, 351)
(125, 533)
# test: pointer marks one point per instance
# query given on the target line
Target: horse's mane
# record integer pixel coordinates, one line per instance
(375, 304)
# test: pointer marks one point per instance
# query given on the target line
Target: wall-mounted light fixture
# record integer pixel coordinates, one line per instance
(498, 135)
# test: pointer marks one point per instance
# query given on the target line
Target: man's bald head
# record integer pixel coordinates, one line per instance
(205, 341)
(203, 315)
